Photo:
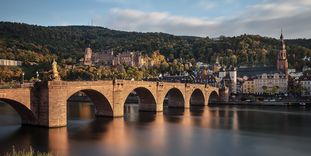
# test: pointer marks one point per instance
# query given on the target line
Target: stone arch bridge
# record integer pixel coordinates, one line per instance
(45, 104)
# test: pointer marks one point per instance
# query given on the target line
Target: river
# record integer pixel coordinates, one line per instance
(217, 130)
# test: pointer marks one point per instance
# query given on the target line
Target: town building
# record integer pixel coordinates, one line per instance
(175, 78)
(270, 83)
(207, 78)
(248, 87)
(202, 65)
(228, 78)
(5, 62)
(305, 82)
(306, 68)
(252, 72)
(294, 74)
(306, 58)
(211, 80)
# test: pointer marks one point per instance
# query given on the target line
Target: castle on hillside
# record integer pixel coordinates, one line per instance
(109, 58)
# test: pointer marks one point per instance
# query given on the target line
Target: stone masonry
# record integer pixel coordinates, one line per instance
(45, 104)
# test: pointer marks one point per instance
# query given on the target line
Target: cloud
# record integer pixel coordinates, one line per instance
(113, 1)
(265, 18)
(134, 20)
(212, 4)
(207, 4)
(277, 9)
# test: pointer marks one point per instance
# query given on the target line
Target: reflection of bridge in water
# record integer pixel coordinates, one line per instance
(45, 104)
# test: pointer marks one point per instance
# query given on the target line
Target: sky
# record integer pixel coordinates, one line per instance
(202, 18)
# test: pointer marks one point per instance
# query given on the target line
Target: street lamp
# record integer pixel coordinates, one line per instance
(37, 73)
(160, 77)
(23, 77)
(113, 76)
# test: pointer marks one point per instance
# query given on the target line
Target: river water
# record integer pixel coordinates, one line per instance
(218, 130)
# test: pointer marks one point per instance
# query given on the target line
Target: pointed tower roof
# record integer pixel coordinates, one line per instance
(282, 46)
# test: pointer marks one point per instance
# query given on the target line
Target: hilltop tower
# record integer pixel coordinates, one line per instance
(88, 56)
(282, 62)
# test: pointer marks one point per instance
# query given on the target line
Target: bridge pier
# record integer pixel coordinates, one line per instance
(187, 101)
(57, 104)
(118, 107)
(159, 107)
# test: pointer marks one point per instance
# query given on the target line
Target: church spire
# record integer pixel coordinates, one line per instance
(282, 46)
(282, 63)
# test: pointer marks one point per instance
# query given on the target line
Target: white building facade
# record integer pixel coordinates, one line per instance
(270, 84)
(305, 83)
(5, 62)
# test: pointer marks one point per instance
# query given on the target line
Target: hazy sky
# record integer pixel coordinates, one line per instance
(180, 17)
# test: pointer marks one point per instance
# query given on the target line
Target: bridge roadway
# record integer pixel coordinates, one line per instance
(45, 104)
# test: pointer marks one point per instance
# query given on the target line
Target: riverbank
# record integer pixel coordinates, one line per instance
(29, 152)
(266, 103)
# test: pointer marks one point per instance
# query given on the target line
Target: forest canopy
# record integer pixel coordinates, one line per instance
(32, 43)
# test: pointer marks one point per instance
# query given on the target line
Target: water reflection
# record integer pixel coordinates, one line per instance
(80, 110)
(199, 131)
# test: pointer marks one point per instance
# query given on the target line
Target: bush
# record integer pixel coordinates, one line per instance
(31, 152)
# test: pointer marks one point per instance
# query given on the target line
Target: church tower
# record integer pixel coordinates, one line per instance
(282, 63)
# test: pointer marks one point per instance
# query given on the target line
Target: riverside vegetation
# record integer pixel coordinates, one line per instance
(29, 152)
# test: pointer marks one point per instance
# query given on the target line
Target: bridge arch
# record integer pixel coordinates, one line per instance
(197, 98)
(212, 97)
(102, 105)
(175, 98)
(146, 99)
(26, 114)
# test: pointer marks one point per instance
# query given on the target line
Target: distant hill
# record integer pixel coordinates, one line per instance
(35, 43)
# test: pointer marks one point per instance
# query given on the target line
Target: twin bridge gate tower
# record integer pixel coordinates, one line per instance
(45, 104)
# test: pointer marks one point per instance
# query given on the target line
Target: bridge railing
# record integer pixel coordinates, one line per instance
(132, 82)
(16, 85)
(177, 80)
(100, 82)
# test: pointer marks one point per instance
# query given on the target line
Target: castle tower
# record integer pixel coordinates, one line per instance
(88, 57)
(282, 63)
